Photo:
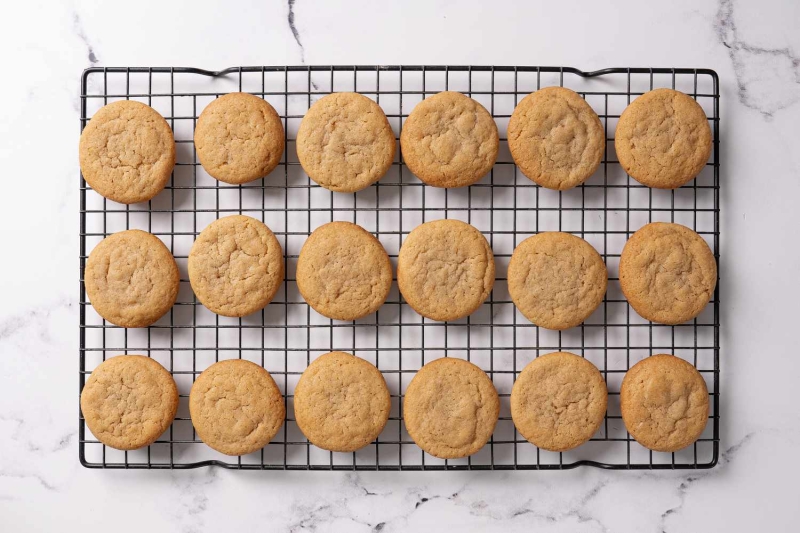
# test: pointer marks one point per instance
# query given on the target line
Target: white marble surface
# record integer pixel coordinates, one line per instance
(754, 46)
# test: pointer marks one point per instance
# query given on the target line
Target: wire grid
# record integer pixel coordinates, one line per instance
(505, 206)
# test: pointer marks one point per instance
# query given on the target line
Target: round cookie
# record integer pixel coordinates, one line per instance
(236, 407)
(451, 408)
(129, 401)
(127, 152)
(343, 272)
(663, 139)
(449, 140)
(239, 138)
(559, 401)
(556, 138)
(341, 402)
(667, 273)
(556, 279)
(445, 269)
(236, 266)
(131, 279)
(664, 403)
(345, 142)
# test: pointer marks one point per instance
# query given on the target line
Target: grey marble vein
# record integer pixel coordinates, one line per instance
(768, 79)
(77, 26)
(295, 33)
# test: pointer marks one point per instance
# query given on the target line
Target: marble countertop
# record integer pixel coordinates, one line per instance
(755, 48)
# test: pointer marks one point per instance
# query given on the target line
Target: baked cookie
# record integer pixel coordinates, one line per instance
(343, 272)
(663, 139)
(449, 140)
(664, 403)
(450, 408)
(556, 138)
(556, 279)
(667, 273)
(131, 279)
(445, 269)
(129, 401)
(127, 152)
(345, 142)
(236, 407)
(236, 266)
(239, 138)
(559, 401)
(341, 402)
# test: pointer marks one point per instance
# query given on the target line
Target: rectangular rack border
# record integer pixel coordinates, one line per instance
(355, 69)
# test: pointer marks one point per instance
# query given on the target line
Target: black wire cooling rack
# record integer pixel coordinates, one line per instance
(505, 206)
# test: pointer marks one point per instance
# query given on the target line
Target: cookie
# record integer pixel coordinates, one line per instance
(129, 401)
(236, 407)
(556, 279)
(236, 266)
(555, 138)
(664, 403)
(558, 401)
(345, 142)
(663, 139)
(445, 269)
(667, 273)
(239, 138)
(343, 272)
(131, 279)
(341, 402)
(127, 152)
(449, 140)
(450, 408)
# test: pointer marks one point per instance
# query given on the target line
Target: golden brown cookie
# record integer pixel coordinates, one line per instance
(556, 279)
(129, 401)
(341, 402)
(236, 266)
(663, 139)
(449, 140)
(239, 138)
(664, 403)
(445, 269)
(131, 279)
(345, 142)
(343, 272)
(236, 407)
(667, 272)
(556, 138)
(559, 401)
(450, 408)
(127, 152)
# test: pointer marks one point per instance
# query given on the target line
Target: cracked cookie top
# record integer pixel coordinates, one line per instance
(345, 142)
(556, 138)
(450, 408)
(449, 140)
(559, 401)
(131, 279)
(556, 279)
(341, 402)
(343, 272)
(239, 138)
(664, 403)
(445, 269)
(667, 273)
(129, 401)
(236, 266)
(127, 152)
(236, 407)
(663, 139)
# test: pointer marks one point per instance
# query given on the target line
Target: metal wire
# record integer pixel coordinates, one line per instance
(505, 206)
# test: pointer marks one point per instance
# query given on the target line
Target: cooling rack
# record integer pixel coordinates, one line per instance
(505, 206)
